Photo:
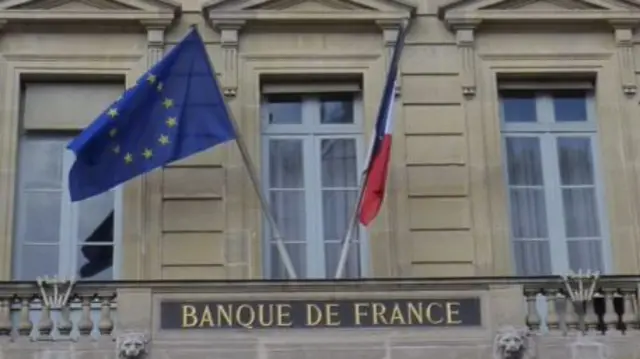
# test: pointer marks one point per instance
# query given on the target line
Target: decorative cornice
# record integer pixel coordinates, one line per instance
(457, 18)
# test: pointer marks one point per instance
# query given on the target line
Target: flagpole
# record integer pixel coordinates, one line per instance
(284, 254)
(353, 223)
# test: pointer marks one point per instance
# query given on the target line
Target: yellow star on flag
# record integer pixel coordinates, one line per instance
(151, 78)
(112, 112)
(128, 158)
(147, 153)
(172, 121)
(168, 103)
(113, 132)
(160, 86)
(116, 149)
(164, 140)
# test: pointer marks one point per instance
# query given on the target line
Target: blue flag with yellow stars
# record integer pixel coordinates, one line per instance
(175, 110)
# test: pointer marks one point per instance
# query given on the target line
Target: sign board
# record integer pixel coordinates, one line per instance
(284, 314)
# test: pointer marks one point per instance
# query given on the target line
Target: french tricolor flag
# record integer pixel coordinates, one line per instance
(377, 165)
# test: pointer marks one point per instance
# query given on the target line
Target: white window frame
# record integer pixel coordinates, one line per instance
(69, 242)
(312, 132)
(547, 131)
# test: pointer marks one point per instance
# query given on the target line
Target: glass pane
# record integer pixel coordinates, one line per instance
(339, 163)
(524, 164)
(38, 260)
(297, 253)
(95, 262)
(285, 164)
(285, 109)
(585, 255)
(337, 208)
(289, 211)
(576, 162)
(518, 106)
(41, 164)
(336, 108)
(532, 258)
(528, 213)
(332, 256)
(570, 106)
(580, 212)
(95, 222)
(42, 217)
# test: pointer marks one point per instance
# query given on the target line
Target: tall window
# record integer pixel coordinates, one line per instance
(52, 235)
(312, 158)
(555, 195)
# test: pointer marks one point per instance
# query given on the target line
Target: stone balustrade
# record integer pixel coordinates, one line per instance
(61, 315)
(56, 310)
(612, 308)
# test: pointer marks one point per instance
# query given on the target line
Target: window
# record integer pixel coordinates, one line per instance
(53, 235)
(312, 156)
(555, 195)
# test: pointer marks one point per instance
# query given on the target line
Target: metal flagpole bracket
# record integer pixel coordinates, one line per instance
(581, 287)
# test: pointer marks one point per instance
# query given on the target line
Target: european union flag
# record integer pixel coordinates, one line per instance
(173, 111)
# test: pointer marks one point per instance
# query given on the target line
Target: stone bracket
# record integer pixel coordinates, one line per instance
(390, 31)
(465, 40)
(623, 34)
(229, 43)
(155, 42)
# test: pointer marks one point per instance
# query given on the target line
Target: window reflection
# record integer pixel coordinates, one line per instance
(285, 109)
(336, 108)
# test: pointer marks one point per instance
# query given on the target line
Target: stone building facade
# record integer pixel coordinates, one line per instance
(514, 161)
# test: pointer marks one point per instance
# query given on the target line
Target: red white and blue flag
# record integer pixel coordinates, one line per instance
(377, 165)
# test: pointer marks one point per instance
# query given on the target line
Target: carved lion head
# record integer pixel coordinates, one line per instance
(511, 343)
(132, 346)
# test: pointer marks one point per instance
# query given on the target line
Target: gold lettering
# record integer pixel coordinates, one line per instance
(429, 313)
(378, 313)
(314, 315)
(396, 315)
(224, 315)
(415, 315)
(265, 318)
(358, 313)
(453, 309)
(189, 317)
(206, 318)
(332, 315)
(284, 315)
(248, 320)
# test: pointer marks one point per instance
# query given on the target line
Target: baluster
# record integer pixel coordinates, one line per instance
(105, 325)
(45, 325)
(590, 317)
(533, 319)
(25, 326)
(610, 316)
(552, 317)
(598, 302)
(5, 317)
(630, 313)
(562, 305)
(64, 325)
(572, 315)
(85, 324)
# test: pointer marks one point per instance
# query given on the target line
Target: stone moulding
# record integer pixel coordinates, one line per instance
(158, 12)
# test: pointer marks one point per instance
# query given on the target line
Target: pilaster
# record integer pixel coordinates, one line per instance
(151, 191)
(229, 42)
(623, 35)
(465, 39)
(390, 31)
